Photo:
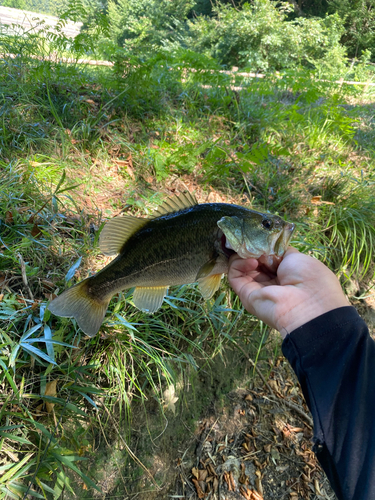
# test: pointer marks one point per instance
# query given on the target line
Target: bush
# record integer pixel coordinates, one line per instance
(260, 36)
(359, 22)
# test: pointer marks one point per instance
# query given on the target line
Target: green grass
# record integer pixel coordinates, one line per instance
(292, 146)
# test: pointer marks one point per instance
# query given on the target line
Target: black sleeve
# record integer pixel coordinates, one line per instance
(333, 357)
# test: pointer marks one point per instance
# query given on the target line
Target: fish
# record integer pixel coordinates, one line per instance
(182, 242)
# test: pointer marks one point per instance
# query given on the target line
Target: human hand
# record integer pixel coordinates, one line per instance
(303, 289)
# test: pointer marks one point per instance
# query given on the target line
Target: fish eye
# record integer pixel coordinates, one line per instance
(266, 223)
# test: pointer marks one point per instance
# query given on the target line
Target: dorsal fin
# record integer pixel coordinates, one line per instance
(117, 231)
(175, 203)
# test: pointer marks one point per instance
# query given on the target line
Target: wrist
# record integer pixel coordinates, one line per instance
(305, 312)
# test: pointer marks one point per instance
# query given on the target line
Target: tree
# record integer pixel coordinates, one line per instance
(260, 36)
(147, 24)
(359, 22)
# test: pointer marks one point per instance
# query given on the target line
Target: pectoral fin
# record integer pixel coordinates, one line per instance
(209, 285)
(149, 299)
(206, 269)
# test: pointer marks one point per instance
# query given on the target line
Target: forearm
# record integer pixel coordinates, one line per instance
(333, 357)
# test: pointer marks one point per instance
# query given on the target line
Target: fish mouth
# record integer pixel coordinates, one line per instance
(282, 242)
(225, 246)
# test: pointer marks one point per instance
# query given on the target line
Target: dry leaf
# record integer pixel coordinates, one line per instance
(198, 488)
(130, 172)
(50, 296)
(316, 486)
(195, 472)
(317, 200)
(50, 391)
(170, 399)
(215, 484)
(1, 296)
(35, 232)
(9, 217)
(202, 474)
(48, 284)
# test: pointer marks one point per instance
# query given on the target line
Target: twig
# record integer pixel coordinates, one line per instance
(24, 277)
(294, 407)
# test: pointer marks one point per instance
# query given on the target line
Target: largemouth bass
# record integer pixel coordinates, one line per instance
(182, 242)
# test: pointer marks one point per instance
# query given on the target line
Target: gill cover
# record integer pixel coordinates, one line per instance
(253, 236)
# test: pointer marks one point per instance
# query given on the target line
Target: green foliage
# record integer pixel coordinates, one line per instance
(359, 22)
(147, 24)
(260, 37)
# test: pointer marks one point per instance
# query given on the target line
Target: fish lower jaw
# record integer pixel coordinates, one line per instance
(270, 262)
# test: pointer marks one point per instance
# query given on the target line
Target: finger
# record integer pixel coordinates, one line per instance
(291, 250)
(250, 270)
(242, 265)
(244, 287)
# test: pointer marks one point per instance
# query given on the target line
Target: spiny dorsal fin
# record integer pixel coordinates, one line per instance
(175, 203)
(209, 285)
(117, 231)
(149, 299)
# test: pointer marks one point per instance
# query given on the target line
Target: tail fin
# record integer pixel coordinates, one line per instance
(77, 303)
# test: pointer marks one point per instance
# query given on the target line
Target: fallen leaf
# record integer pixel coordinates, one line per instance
(50, 296)
(170, 399)
(316, 199)
(215, 484)
(1, 296)
(195, 472)
(8, 217)
(35, 232)
(50, 391)
(130, 172)
(48, 284)
(202, 474)
(198, 488)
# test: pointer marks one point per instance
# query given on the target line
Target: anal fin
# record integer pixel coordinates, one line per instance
(149, 299)
(209, 285)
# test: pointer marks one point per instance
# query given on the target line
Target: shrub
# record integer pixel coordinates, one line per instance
(260, 36)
